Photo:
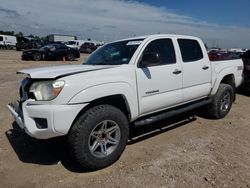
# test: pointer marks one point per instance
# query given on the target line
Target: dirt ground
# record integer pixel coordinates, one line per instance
(180, 152)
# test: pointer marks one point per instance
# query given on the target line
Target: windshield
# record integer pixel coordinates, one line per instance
(116, 53)
(71, 42)
(50, 47)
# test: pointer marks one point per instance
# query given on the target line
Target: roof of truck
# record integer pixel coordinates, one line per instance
(158, 35)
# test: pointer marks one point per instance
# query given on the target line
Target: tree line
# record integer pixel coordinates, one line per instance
(19, 34)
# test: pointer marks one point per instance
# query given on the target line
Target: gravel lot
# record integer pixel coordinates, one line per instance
(180, 152)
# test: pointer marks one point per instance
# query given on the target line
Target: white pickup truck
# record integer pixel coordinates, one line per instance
(132, 81)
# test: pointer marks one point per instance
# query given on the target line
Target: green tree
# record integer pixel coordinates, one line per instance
(19, 34)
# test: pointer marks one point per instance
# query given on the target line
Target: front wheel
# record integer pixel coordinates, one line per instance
(222, 101)
(98, 137)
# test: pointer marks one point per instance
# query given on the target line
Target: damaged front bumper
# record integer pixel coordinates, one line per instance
(15, 112)
(43, 121)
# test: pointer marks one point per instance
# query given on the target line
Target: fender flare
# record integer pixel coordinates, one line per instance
(108, 89)
(222, 74)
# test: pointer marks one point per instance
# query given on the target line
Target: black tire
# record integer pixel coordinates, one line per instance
(70, 57)
(222, 102)
(37, 56)
(80, 135)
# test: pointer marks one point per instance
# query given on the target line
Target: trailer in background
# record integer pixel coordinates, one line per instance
(60, 38)
(7, 42)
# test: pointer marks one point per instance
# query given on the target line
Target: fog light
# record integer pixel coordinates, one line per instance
(41, 123)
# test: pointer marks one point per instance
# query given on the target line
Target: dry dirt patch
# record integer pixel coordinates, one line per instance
(177, 153)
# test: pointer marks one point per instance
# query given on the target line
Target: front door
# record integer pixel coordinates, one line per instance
(160, 86)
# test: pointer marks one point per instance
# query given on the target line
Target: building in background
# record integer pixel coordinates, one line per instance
(240, 50)
(61, 38)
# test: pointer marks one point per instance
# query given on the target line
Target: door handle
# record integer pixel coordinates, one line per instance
(176, 71)
(205, 67)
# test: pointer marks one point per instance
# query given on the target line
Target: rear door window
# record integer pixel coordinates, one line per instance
(190, 50)
(1, 38)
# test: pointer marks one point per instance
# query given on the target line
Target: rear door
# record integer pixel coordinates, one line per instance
(196, 69)
(62, 51)
(160, 86)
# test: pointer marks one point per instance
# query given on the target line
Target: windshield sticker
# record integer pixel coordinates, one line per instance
(138, 42)
(115, 54)
(124, 59)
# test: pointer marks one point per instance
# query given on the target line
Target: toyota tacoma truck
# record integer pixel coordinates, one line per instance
(135, 81)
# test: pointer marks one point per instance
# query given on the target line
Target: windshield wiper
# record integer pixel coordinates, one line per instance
(101, 63)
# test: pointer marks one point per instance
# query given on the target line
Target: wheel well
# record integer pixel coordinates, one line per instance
(119, 101)
(229, 79)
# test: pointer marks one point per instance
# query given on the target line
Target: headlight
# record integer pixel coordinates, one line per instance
(46, 90)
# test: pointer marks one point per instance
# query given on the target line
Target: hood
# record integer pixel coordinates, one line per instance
(71, 46)
(53, 72)
(30, 50)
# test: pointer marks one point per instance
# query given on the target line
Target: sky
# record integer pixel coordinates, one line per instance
(217, 23)
(226, 12)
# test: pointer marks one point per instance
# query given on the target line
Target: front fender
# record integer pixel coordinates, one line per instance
(108, 89)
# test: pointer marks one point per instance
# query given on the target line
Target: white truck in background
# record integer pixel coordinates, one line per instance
(75, 43)
(79, 43)
(7, 42)
(132, 81)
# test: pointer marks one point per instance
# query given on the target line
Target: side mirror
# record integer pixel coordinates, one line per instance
(150, 59)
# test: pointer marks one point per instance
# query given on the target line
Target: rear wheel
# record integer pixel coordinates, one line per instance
(71, 57)
(37, 56)
(222, 102)
(88, 50)
(98, 137)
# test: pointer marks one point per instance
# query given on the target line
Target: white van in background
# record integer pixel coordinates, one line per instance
(7, 41)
